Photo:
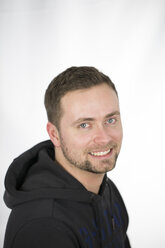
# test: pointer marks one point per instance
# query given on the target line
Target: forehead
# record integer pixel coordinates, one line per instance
(95, 101)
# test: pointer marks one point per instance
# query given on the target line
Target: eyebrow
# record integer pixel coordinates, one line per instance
(84, 119)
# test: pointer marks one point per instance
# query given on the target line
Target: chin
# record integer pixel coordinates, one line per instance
(100, 171)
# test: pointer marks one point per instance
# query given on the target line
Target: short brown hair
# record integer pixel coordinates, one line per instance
(73, 78)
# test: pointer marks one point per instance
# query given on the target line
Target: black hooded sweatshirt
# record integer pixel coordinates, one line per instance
(51, 209)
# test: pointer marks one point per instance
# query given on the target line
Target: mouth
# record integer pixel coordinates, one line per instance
(101, 153)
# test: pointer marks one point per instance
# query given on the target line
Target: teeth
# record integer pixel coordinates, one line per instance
(100, 153)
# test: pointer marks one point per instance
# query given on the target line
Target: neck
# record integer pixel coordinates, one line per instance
(91, 181)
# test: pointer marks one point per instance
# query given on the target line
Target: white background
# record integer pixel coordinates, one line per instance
(123, 38)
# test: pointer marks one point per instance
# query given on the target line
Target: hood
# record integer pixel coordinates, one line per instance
(35, 174)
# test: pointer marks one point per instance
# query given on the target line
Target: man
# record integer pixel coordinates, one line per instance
(58, 190)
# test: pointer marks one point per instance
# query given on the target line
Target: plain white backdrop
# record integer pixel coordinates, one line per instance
(123, 38)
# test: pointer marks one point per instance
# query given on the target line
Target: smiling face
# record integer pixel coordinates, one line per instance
(90, 132)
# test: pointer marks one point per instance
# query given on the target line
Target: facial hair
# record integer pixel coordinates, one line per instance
(86, 165)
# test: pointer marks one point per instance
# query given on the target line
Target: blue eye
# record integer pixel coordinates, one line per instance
(84, 125)
(111, 121)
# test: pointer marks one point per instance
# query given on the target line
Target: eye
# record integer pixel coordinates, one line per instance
(111, 121)
(84, 125)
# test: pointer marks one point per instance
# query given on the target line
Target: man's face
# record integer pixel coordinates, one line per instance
(90, 129)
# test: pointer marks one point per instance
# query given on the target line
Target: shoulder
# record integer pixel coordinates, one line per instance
(33, 224)
(44, 233)
(115, 195)
(113, 188)
(118, 200)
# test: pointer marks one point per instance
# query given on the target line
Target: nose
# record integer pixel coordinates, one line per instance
(101, 135)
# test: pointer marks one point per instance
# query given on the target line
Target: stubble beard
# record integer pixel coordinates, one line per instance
(86, 165)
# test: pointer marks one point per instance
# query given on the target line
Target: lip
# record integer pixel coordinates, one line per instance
(102, 156)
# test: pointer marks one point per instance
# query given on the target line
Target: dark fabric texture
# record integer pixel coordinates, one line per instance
(51, 209)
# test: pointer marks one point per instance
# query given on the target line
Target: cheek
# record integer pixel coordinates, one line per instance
(117, 135)
(120, 137)
(75, 140)
(81, 140)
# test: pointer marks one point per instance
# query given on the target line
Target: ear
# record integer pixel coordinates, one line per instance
(53, 134)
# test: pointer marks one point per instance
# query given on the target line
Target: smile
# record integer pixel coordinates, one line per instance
(100, 153)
